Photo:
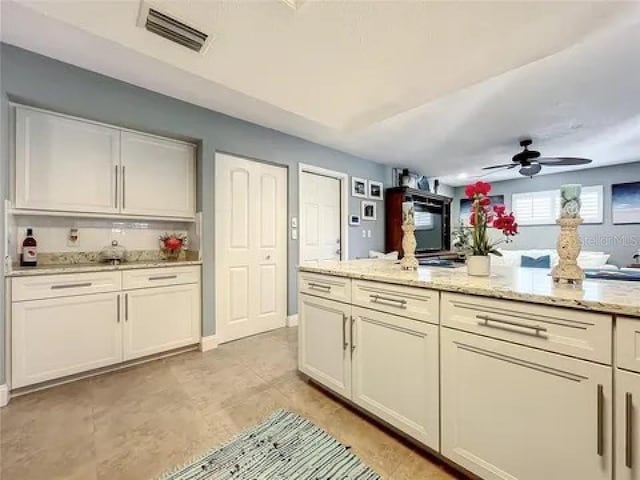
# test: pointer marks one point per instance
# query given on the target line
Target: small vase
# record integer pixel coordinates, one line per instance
(479, 265)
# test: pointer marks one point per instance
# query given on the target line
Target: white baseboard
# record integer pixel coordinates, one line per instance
(4, 395)
(209, 343)
(292, 320)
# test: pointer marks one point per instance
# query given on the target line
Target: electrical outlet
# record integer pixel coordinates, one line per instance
(294, 234)
(73, 240)
(368, 233)
(364, 233)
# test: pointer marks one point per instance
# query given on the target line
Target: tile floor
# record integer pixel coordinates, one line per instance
(136, 423)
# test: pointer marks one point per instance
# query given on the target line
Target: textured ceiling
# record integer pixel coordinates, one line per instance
(443, 87)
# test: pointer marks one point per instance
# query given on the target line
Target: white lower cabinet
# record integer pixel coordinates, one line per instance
(160, 319)
(395, 372)
(324, 347)
(56, 337)
(516, 413)
(385, 364)
(627, 425)
(67, 324)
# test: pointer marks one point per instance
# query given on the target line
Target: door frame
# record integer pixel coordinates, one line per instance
(343, 178)
(216, 253)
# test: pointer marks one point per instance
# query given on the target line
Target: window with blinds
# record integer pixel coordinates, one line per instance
(543, 208)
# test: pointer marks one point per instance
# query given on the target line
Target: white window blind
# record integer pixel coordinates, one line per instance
(543, 208)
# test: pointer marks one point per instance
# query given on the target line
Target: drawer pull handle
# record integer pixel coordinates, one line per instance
(628, 434)
(600, 420)
(71, 285)
(345, 344)
(486, 319)
(319, 286)
(352, 335)
(396, 302)
(163, 277)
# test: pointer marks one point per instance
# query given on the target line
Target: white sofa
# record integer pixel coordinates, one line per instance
(593, 260)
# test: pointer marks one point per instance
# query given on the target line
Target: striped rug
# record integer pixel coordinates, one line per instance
(285, 446)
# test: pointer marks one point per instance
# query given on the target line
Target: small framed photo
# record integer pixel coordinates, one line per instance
(376, 190)
(354, 220)
(369, 210)
(358, 187)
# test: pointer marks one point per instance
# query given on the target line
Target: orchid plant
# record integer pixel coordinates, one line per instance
(485, 216)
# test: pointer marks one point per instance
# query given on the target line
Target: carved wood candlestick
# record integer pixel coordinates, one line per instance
(409, 260)
(567, 271)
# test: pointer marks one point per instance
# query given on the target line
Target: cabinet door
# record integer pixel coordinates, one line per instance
(65, 164)
(627, 443)
(324, 347)
(57, 337)
(158, 176)
(517, 413)
(160, 319)
(395, 372)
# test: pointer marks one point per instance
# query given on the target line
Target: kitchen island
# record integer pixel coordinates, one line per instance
(506, 377)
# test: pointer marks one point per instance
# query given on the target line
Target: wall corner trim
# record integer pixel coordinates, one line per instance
(4, 395)
(292, 320)
(209, 343)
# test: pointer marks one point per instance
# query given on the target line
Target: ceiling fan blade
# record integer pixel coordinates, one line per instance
(506, 165)
(563, 161)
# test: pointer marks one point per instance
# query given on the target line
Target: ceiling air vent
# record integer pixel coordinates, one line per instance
(169, 27)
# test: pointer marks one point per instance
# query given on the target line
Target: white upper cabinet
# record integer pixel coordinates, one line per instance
(158, 176)
(65, 164)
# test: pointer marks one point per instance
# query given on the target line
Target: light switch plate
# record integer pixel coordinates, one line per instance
(294, 234)
(294, 222)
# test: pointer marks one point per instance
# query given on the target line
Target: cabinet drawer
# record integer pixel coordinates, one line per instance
(571, 332)
(628, 343)
(418, 303)
(327, 286)
(159, 277)
(64, 285)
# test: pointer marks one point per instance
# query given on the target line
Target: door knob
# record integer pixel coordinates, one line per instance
(268, 257)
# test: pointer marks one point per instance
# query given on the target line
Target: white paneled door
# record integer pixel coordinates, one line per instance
(251, 247)
(319, 217)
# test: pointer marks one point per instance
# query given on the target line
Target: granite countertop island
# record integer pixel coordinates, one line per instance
(531, 285)
(95, 267)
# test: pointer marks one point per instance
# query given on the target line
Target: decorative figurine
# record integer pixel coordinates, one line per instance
(568, 272)
(409, 260)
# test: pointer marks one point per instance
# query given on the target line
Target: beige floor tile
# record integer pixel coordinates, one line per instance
(419, 465)
(140, 422)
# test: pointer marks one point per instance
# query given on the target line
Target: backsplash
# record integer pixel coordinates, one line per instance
(140, 238)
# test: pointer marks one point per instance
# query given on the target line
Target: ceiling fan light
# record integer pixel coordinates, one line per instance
(530, 170)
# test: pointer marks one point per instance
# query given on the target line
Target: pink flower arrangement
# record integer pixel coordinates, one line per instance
(485, 216)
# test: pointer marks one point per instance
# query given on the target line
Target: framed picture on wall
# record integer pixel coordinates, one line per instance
(376, 190)
(625, 203)
(465, 206)
(354, 220)
(369, 210)
(358, 187)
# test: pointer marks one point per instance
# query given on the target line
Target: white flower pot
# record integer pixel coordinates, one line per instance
(479, 265)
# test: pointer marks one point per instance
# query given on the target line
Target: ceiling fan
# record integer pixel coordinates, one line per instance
(530, 161)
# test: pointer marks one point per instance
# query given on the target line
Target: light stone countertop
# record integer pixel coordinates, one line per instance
(95, 267)
(532, 285)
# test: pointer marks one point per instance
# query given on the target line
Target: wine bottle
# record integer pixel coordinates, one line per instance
(29, 254)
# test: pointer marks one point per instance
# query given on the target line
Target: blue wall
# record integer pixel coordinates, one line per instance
(43, 82)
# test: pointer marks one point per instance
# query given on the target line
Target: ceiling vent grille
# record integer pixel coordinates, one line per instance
(173, 29)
